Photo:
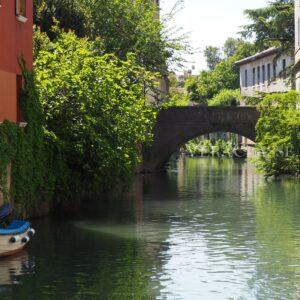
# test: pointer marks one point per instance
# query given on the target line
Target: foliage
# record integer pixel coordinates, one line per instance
(272, 25)
(278, 134)
(123, 26)
(231, 46)
(225, 76)
(191, 86)
(213, 56)
(177, 94)
(27, 152)
(95, 111)
(69, 14)
(177, 98)
(207, 147)
(226, 98)
(86, 115)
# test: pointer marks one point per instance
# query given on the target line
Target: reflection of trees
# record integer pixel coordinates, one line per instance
(234, 220)
(277, 209)
(220, 187)
(254, 225)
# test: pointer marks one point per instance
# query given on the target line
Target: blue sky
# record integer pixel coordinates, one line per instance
(210, 22)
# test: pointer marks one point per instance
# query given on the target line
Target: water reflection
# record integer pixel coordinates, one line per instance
(12, 267)
(208, 229)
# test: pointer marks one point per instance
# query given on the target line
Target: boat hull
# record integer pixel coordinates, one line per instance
(8, 248)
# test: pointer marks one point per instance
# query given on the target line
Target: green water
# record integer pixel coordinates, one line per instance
(208, 229)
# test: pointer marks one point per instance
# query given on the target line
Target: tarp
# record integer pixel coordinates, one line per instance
(5, 211)
(16, 227)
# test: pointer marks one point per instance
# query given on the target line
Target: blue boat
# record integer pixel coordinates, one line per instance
(14, 234)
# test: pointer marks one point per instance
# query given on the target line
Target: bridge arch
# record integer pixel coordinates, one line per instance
(175, 126)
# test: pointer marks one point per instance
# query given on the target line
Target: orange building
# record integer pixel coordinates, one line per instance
(16, 21)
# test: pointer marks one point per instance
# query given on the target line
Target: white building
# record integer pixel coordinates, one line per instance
(264, 72)
(297, 43)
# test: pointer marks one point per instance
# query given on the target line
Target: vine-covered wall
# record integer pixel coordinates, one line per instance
(26, 151)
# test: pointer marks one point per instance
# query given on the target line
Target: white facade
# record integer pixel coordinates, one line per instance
(297, 43)
(262, 73)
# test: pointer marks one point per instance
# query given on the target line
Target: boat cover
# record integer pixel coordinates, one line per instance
(16, 227)
(5, 211)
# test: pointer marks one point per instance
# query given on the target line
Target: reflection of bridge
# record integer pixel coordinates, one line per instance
(177, 125)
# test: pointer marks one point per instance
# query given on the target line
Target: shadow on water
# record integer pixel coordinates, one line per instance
(206, 229)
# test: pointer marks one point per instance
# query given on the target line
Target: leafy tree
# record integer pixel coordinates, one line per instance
(191, 85)
(213, 56)
(225, 76)
(177, 93)
(226, 98)
(95, 111)
(272, 25)
(124, 26)
(230, 47)
(69, 14)
(278, 134)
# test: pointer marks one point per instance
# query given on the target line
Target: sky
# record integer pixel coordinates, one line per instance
(209, 22)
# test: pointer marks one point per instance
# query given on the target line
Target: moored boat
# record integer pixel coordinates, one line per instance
(14, 234)
(239, 153)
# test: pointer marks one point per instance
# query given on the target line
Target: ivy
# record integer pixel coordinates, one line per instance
(25, 149)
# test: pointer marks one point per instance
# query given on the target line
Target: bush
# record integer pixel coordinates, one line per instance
(95, 109)
(206, 147)
(226, 98)
(278, 134)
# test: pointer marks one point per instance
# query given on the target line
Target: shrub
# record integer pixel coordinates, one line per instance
(226, 98)
(278, 134)
(95, 109)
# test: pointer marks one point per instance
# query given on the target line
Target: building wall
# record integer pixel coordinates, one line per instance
(249, 88)
(297, 43)
(8, 96)
(15, 42)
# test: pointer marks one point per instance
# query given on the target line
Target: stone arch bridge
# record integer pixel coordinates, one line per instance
(177, 125)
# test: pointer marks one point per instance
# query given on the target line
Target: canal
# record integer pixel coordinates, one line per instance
(207, 229)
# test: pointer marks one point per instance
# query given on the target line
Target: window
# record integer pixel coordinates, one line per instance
(258, 75)
(263, 73)
(246, 78)
(284, 68)
(274, 71)
(269, 72)
(21, 8)
(253, 76)
(298, 31)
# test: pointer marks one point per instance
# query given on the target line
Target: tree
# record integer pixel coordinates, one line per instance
(67, 12)
(278, 138)
(226, 98)
(95, 111)
(272, 25)
(123, 26)
(177, 94)
(225, 76)
(213, 56)
(230, 47)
